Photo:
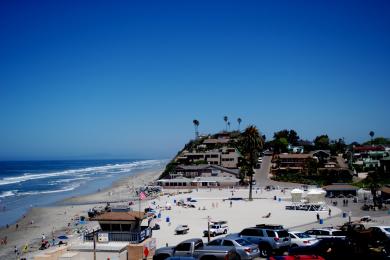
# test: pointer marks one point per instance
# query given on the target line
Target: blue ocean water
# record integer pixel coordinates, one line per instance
(28, 184)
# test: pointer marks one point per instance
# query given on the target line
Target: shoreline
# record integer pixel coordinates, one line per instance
(59, 218)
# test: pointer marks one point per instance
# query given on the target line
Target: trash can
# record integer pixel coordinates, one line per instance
(321, 221)
(279, 199)
(167, 219)
(344, 214)
(159, 215)
(174, 201)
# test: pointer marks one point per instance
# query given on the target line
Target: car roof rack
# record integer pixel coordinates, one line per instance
(269, 226)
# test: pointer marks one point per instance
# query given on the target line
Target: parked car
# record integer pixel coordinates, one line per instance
(326, 232)
(195, 248)
(299, 238)
(269, 238)
(328, 248)
(217, 228)
(380, 232)
(296, 257)
(244, 248)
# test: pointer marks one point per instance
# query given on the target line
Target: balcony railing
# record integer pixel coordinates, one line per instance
(131, 237)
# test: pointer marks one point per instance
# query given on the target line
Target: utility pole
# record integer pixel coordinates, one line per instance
(208, 228)
(94, 244)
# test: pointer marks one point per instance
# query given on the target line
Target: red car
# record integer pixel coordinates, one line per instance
(297, 257)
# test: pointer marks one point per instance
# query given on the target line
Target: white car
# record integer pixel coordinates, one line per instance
(299, 238)
(326, 232)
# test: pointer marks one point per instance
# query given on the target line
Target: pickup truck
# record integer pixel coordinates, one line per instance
(195, 248)
(217, 228)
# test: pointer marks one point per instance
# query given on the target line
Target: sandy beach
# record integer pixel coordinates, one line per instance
(52, 221)
(211, 203)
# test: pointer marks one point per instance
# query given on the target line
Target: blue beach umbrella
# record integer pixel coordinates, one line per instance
(63, 237)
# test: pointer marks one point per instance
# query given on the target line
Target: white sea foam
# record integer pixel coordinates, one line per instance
(8, 193)
(68, 188)
(125, 167)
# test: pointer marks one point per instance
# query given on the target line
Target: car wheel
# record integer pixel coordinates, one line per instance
(225, 231)
(265, 250)
(160, 257)
(208, 257)
(294, 245)
(214, 234)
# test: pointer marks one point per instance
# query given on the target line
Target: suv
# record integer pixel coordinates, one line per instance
(217, 228)
(326, 232)
(268, 237)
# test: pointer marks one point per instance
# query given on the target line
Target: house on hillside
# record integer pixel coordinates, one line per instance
(291, 163)
(193, 176)
(225, 157)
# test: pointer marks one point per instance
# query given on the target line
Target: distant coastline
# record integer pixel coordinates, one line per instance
(20, 191)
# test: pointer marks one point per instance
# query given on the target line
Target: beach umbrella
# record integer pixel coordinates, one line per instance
(63, 237)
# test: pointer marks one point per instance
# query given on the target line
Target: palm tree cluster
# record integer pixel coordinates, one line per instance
(196, 125)
(250, 144)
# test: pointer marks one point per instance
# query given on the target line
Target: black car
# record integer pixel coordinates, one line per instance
(328, 248)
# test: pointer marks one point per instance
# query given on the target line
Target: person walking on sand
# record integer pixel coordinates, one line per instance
(329, 212)
(318, 217)
(231, 203)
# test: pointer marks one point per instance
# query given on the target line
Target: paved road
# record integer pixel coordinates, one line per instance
(262, 175)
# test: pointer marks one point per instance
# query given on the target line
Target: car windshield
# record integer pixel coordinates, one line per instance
(243, 242)
(387, 229)
(214, 226)
(282, 233)
(302, 235)
(338, 233)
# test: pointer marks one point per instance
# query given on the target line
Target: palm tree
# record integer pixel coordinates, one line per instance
(372, 135)
(196, 124)
(250, 143)
(239, 120)
(225, 118)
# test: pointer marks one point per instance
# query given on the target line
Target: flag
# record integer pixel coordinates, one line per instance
(142, 195)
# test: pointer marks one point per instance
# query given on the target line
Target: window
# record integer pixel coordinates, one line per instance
(270, 233)
(183, 247)
(116, 227)
(198, 245)
(282, 233)
(216, 242)
(249, 232)
(126, 227)
(105, 227)
(243, 242)
(302, 235)
(292, 236)
(227, 243)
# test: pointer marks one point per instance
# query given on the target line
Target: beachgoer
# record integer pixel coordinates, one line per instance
(25, 249)
(16, 251)
(17, 226)
(330, 212)
(231, 203)
(43, 237)
(318, 217)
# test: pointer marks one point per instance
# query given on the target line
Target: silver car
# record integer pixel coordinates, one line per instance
(243, 247)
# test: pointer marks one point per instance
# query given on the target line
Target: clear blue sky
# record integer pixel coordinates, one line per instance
(126, 78)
